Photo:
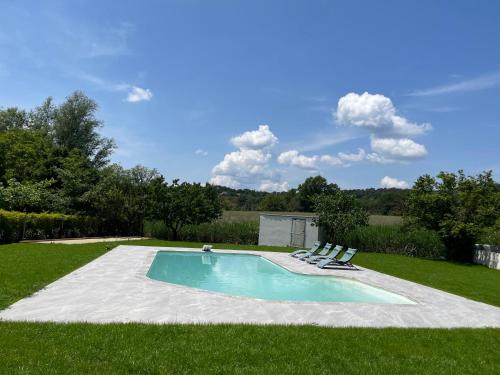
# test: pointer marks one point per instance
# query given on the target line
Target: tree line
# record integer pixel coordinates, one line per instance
(53, 159)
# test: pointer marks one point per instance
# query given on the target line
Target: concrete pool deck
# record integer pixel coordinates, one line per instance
(115, 288)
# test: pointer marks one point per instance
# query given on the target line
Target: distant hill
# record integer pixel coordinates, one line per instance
(375, 201)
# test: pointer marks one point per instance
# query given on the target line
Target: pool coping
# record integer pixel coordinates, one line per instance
(115, 288)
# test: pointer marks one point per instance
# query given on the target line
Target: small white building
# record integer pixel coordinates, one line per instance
(295, 230)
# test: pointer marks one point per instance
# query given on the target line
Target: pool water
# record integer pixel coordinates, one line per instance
(253, 276)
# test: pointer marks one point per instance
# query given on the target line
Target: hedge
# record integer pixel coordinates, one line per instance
(246, 233)
(17, 226)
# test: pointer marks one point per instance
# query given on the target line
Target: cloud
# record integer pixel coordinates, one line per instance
(243, 163)
(138, 94)
(225, 181)
(475, 84)
(398, 148)
(255, 139)
(389, 182)
(330, 160)
(271, 186)
(353, 157)
(201, 152)
(294, 158)
(376, 113)
(135, 93)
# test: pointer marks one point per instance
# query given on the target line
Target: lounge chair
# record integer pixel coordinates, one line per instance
(344, 261)
(316, 258)
(324, 251)
(314, 248)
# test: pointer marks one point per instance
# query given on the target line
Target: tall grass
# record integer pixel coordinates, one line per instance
(396, 239)
(246, 233)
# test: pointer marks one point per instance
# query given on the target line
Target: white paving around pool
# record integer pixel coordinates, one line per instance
(115, 288)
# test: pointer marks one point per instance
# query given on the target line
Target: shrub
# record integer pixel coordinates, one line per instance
(491, 235)
(217, 232)
(396, 239)
(16, 226)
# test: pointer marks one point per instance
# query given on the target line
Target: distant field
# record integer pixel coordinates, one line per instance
(242, 216)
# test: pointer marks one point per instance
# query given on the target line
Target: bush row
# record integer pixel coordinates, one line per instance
(218, 232)
(396, 239)
(17, 226)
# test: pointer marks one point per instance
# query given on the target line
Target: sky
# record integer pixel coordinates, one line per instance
(263, 94)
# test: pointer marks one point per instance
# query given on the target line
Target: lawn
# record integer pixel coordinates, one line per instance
(229, 349)
(139, 348)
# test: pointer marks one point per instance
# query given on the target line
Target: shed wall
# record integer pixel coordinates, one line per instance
(276, 230)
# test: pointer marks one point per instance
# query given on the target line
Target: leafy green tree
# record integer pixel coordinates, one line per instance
(458, 207)
(42, 118)
(338, 214)
(120, 198)
(311, 187)
(25, 156)
(30, 197)
(75, 127)
(12, 118)
(274, 202)
(179, 204)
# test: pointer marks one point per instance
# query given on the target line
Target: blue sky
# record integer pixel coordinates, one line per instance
(367, 94)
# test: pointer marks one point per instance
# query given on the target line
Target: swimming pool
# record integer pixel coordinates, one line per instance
(248, 275)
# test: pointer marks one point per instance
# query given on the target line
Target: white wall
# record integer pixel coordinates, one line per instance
(487, 255)
(275, 230)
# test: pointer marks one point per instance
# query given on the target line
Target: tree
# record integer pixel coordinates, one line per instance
(274, 202)
(30, 197)
(311, 187)
(338, 214)
(184, 203)
(75, 127)
(457, 207)
(25, 156)
(12, 118)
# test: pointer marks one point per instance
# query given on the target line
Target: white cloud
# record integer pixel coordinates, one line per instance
(389, 182)
(376, 158)
(201, 152)
(295, 159)
(243, 163)
(376, 113)
(398, 148)
(475, 84)
(255, 139)
(271, 186)
(225, 181)
(360, 155)
(330, 160)
(138, 94)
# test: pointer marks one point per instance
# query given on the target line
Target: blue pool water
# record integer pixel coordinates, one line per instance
(254, 276)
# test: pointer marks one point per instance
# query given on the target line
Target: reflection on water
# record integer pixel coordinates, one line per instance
(254, 276)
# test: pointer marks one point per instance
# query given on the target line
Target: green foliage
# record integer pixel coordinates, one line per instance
(312, 187)
(338, 214)
(25, 156)
(455, 206)
(491, 235)
(12, 118)
(120, 199)
(31, 197)
(382, 201)
(246, 233)
(75, 127)
(179, 204)
(396, 239)
(274, 202)
(16, 226)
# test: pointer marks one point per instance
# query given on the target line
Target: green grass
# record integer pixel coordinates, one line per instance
(32, 348)
(468, 280)
(243, 349)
